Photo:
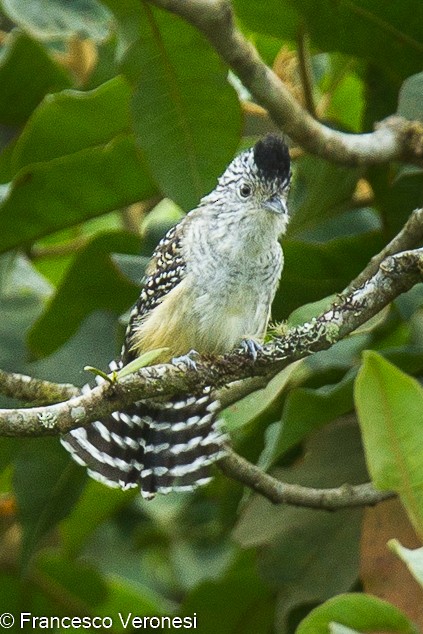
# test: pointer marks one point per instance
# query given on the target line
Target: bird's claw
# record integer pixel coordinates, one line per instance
(187, 360)
(251, 347)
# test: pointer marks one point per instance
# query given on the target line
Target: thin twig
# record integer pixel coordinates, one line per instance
(306, 71)
(237, 468)
(38, 252)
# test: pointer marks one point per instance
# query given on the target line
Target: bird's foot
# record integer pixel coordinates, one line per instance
(251, 347)
(187, 359)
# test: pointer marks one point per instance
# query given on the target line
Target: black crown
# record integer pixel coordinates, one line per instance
(271, 156)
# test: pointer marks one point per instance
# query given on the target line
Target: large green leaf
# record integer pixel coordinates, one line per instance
(347, 103)
(313, 271)
(238, 602)
(23, 296)
(27, 73)
(381, 32)
(60, 18)
(261, 406)
(70, 189)
(298, 546)
(92, 283)
(377, 31)
(307, 409)
(321, 190)
(186, 115)
(397, 193)
(21, 303)
(390, 405)
(69, 121)
(361, 611)
(273, 17)
(94, 593)
(47, 484)
(96, 504)
(10, 593)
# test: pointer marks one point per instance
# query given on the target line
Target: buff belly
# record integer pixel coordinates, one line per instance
(181, 323)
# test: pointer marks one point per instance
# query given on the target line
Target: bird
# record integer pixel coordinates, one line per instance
(208, 290)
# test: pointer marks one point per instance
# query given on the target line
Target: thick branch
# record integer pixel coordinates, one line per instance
(394, 139)
(279, 492)
(396, 274)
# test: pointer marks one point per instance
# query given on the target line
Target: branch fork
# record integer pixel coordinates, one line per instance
(388, 275)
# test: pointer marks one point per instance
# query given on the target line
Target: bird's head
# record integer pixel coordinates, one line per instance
(256, 182)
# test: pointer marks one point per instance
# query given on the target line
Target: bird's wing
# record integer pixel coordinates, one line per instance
(164, 272)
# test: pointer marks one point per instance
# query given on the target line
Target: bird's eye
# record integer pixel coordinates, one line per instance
(245, 190)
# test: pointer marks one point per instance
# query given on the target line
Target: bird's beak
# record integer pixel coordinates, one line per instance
(276, 204)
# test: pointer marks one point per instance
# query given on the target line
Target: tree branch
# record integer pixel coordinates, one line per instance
(306, 72)
(232, 465)
(279, 492)
(37, 391)
(384, 279)
(396, 274)
(410, 236)
(393, 139)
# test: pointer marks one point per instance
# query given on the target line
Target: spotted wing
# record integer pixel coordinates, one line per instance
(165, 270)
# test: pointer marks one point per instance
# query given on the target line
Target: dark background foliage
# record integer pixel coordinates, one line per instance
(115, 118)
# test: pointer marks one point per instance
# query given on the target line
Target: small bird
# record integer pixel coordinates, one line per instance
(208, 289)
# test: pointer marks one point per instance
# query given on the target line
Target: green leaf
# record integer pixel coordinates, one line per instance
(347, 103)
(306, 409)
(128, 598)
(313, 271)
(61, 19)
(320, 191)
(237, 602)
(413, 558)
(27, 73)
(47, 484)
(333, 456)
(10, 593)
(7, 140)
(379, 32)
(397, 193)
(186, 115)
(97, 340)
(96, 504)
(21, 302)
(357, 611)
(98, 372)
(79, 580)
(107, 177)
(260, 405)
(410, 98)
(141, 362)
(70, 121)
(298, 546)
(306, 312)
(91, 283)
(389, 405)
(273, 17)
(131, 266)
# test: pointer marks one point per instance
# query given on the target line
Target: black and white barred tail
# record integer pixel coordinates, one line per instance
(160, 447)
